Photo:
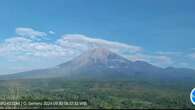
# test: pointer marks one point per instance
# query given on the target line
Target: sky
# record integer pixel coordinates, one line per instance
(43, 33)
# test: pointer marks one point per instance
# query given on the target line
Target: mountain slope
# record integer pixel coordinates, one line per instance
(103, 64)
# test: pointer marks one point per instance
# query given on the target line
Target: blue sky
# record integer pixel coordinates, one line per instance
(164, 28)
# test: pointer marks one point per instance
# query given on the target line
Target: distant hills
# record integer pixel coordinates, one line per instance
(102, 64)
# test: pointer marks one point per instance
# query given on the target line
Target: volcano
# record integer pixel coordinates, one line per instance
(103, 64)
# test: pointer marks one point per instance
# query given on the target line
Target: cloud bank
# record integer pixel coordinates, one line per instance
(82, 42)
(29, 46)
(30, 33)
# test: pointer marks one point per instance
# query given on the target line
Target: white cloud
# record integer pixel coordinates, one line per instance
(68, 47)
(159, 60)
(82, 42)
(168, 53)
(30, 33)
(192, 55)
(25, 47)
(51, 32)
(22, 46)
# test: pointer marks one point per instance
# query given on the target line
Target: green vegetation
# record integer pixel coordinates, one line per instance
(98, 94)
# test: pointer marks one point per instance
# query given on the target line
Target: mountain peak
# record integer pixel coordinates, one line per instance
(99, 53)
(98, 56)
